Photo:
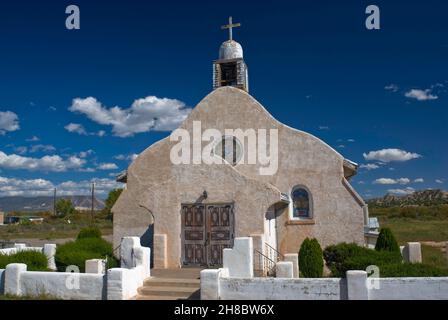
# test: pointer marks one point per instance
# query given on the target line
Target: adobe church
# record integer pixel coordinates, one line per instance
(189, 212)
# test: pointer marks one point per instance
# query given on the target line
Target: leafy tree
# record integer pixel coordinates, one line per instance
(110, 201)
(64, 207)
(311, 262)
(386, 241)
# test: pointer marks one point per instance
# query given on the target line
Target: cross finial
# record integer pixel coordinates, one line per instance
(230, 26)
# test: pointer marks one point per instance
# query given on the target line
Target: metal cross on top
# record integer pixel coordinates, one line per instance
(230, 26)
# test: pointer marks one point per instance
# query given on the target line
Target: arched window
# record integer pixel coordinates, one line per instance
(301, 203)
(229, 148)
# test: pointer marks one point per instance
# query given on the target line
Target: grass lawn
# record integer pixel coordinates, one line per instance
(407, 229)
(54, 228)
(434, 256)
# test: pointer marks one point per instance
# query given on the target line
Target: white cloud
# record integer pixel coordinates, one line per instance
(351, 140)
(9, 122)
(21, 150)
(369, 166)
(144, 115)
(107, 166)
(407, 190)
(79, 129)
(42, 148)
(76, 128)
(392, 87)
(85, 154)
(389, 155)
(18, 187)
(47, 163)
(421, 95)
(101, 133)
(33, 139)
(42, 187)
(392, 181)
(324, 128)
(419, 180)
(123, 157)
(439, 181)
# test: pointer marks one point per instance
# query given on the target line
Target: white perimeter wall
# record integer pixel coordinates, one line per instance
(282, 289)
(410, 289)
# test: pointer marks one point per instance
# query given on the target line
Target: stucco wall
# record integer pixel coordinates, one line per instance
(156, 188)
(217, 285)
(410, 289)
(281, 289)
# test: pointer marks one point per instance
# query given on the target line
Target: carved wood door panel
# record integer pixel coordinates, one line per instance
(193, 223)
(206, 231)
(220, 232)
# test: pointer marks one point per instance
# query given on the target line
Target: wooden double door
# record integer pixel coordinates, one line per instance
(206, 230)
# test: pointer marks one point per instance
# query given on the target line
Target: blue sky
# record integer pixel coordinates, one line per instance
(377, 96)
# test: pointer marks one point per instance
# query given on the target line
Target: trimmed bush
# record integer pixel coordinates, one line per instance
(349, 256)
(386, 241)
(35, 261)
(310, 259)
(89, 232)
(411, 270)
(77, 252)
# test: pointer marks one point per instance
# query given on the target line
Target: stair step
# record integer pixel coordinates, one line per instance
(167, 291)
(160, 282)
(148, 297)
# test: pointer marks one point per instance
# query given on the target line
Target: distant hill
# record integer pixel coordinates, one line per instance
(34, 204)
(424, 197)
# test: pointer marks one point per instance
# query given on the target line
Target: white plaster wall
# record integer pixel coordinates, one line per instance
(411, 289)
(282, 289)
(91, 286)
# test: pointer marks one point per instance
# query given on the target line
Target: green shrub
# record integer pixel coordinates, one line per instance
(89, 232)
(412, 270)
(349, 256)
(310, 259)
(77, 252)
(386, 241)
(35, 261)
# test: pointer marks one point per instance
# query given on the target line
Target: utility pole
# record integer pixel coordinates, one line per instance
(54, 202)
(93, 201)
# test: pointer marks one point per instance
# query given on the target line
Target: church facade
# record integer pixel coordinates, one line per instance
(189, 212)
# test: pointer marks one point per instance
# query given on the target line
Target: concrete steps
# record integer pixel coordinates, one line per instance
(169, 289)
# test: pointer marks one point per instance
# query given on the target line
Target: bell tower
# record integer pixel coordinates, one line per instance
(230, 69)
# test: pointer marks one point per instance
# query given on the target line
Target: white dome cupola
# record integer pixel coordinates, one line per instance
(230, 69)
(230, 49)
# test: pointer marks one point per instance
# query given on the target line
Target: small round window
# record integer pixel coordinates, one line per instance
(230, 149)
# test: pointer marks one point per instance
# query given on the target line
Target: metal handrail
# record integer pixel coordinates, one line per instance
(279, 256)
(266, 264)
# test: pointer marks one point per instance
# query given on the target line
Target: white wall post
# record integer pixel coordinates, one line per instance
(357, 285)
(95, 266)
(294, 258)
(284, 269)
(239, 260)
(49, 251)
(210, 283)
(412, 252)
(142, 257)
(127, 251)
(12, 278)
(115, 286)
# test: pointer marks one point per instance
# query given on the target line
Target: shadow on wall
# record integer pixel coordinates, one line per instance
(147, 240)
